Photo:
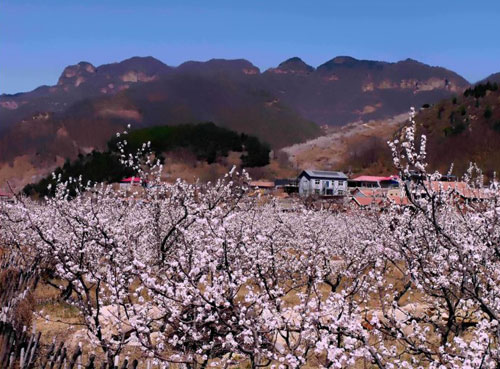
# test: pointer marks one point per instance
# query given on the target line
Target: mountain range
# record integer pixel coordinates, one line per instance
(341, 90)
(282, 105)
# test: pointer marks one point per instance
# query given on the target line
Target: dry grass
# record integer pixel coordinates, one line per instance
(63, 319)
(65, 326)
(335, 150)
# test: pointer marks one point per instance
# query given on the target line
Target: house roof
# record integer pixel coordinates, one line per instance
(462, 188)
(322, 174)
(285, 181)
(398, 200)
(363, 201)
(370, 192)
(375, 178)
(131, 180)
(367, 201)
(262, 184)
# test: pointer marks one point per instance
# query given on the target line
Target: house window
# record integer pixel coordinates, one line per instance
(316, 192)
(317, 181)
(327, 183)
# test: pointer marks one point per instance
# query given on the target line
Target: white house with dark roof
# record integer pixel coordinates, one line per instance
(322, 183)
(5, 197)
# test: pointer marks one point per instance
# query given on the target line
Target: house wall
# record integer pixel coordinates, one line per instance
(332, 187)
(396, 192)
(304, 187)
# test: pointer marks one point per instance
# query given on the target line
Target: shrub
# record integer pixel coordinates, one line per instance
(496, 126)
(440, 112)
(452, 117)
(481, 89)
(488, 112)
(455, 129)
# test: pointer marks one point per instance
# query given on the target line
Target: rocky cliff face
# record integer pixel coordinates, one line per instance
(75, 75)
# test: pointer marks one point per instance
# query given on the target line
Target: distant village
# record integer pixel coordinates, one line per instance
(364, 191)
(334, 187)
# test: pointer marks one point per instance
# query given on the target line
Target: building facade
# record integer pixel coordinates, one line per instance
(374, 182)
(322, 183)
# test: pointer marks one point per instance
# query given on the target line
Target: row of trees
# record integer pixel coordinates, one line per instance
(481, 89)
(206, 141)
(205, 275)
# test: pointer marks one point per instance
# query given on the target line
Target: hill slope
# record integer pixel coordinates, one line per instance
(459, 131)
(464, 130)
(492, 78)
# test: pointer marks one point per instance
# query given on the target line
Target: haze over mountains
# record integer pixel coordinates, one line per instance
(282, 105)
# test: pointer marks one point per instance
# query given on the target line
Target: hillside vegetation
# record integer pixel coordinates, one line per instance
(205, 141)
(464, 129)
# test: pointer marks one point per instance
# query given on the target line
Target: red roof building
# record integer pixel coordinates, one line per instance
(131, 180)
(376, 178)
(4, 196)
(375, 181)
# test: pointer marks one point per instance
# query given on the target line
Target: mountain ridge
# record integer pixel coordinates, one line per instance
(281, 106)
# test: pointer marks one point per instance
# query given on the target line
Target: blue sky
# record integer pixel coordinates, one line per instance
(38, 38)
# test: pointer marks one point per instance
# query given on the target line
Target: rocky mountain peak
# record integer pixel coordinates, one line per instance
(139, 64)
(218, 66)
(294, 65)
(348, 62)
(76, 74)
(344, 60)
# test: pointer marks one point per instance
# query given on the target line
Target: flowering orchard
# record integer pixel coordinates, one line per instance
(205, 275)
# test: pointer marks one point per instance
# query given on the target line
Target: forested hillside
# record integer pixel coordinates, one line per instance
(205, 141)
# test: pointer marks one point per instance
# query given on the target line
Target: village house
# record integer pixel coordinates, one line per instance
(374, 182)
(461, 189)
(378, 197)
(262, 185)
(322, 183)
(287, 185)
(5, 197)
(367, 202)
(127, 183)
(377, 192)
